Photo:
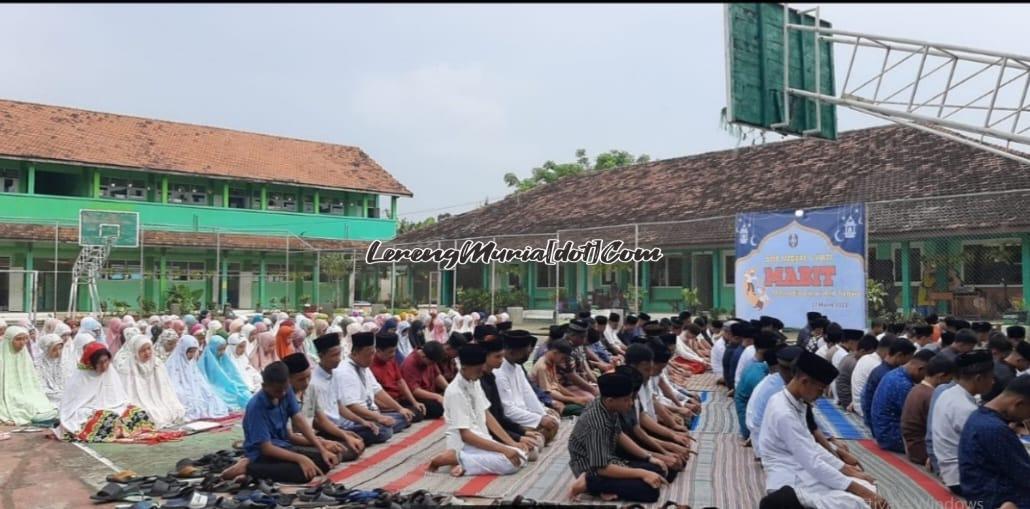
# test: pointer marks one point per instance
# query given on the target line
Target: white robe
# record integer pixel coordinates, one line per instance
(147, 385)
(747, 357)
(86, 392)
(521, 404)
(792, 457)
(860, 376)
(718, 351)
(465, 406)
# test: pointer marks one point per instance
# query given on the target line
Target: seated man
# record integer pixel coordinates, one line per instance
(751, 377)
(508, 432)
(470, 448)
(901, 351)
(345, 443)
(975, 376)
(676, 441)
(384, 367)
(780, 362)
(790, 454)
(361, 393)
(889, 400)
(521, 404)
(993, 464)
(939, 370)
(866, 345)
(448, 367)
(272, 451)
(673, 396)
(592, 449)
(421, 372)
(546, 373)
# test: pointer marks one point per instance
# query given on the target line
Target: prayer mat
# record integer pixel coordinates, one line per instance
(718, 414)
(702, 382)
(378, 461)
(901, 482)
(722, 474)
(412, 474)
(836, 422)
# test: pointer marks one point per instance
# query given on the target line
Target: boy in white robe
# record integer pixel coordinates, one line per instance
(470, 448)
(792, 457)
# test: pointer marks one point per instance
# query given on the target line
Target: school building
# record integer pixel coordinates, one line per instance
(948, 226)
(244, 218)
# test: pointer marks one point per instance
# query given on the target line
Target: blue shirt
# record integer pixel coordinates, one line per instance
(265, 422)
(888, 402)
(937, 391)
(993, 464)
(759, 400)
(870, 390)
(601, 352)
(748, 380)
(730, 360)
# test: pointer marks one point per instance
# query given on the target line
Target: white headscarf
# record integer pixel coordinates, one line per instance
(123, 358)
(192, 388)
(250, 375)
(51, 372)
(148, 386)
(245, 333)
(166, 336)
(72, 352)
(92, 326)
(88, 391)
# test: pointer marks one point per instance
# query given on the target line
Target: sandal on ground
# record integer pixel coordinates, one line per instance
(143, 504)
(114, 492)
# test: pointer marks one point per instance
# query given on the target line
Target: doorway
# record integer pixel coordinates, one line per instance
(701, 275)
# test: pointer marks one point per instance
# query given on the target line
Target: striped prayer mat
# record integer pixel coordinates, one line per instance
(412, 474)
(901, 482)
(834, 421)
(718, 414)
(411, 445)
(702, 382)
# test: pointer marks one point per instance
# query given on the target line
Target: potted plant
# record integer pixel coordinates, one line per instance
(691, 299)
(182, 299)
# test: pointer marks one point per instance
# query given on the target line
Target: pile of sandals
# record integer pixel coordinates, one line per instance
(197, 484)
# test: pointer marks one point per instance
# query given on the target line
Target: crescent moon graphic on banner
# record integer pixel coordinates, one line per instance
(753, 244)
(836, 236)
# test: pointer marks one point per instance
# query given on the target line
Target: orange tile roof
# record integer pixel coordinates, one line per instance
(36, 131)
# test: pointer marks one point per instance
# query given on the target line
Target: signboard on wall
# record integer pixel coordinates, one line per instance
(792, 262)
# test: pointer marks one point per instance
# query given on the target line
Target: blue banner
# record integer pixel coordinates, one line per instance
(792, 262)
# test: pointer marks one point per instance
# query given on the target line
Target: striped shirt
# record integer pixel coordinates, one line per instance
(593, 441)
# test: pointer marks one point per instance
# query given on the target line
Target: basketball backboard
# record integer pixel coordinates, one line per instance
(756, 73)
(97, 226)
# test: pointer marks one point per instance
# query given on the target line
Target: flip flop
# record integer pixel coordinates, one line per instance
(144, 504)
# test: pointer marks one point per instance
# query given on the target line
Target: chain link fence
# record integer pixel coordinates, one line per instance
(963, 256)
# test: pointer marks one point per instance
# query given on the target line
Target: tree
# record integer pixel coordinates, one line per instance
(405, 226)
(337, 267)
(551, 172)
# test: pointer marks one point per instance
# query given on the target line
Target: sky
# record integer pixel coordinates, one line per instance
(447, 98)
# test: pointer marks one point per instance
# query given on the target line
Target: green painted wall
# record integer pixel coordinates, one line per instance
(42, 209)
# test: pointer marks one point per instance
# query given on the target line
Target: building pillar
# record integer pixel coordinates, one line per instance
(223, 281)
(27, 280)
(446, 287)
(645, 285)
(264, 197)
(262, 276)
(31, 184)
(316, 276)
(717, 269)
(1025, 251)
(96, 183)
(393, 208)
(364, 205)
(162, 278)
(581, 281)
(314, 208)
(906, 283)
(164, 192)
(225, 195)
